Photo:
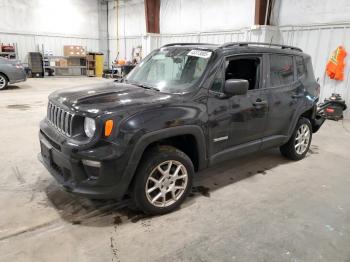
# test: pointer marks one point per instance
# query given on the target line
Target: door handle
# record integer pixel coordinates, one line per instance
(260, 103)
(297, 96)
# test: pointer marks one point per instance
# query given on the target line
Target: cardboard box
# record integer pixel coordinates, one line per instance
(61, 62)
(73, 50)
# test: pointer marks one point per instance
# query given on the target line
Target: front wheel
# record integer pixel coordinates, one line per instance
(299, 143)
(163, 180)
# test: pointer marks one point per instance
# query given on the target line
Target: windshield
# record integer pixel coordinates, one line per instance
(173, 70)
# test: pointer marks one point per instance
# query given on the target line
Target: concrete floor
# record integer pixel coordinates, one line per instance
(257, 208)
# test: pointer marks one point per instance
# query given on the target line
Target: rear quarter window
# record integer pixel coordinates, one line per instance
(305, 71)
(281, 70)
(301, 69)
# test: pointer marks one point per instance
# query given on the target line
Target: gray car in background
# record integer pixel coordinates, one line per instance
(11, 71)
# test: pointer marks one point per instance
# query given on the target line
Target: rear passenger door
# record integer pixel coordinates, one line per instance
(284, 95)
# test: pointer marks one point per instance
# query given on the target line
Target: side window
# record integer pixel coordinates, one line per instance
(301, 69)
(218, 82)
(247, 68)
(281, 70)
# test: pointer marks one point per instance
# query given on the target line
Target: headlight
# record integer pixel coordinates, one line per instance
(89, 127)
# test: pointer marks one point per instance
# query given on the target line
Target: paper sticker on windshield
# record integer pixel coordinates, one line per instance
(200, 53)
(158, 57)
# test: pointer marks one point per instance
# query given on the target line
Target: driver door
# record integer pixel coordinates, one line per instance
(236, 124)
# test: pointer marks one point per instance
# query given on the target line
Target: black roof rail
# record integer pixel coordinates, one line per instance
(262, 44)
(182, 44)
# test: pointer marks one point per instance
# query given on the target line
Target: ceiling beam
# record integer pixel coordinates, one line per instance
(152, 9)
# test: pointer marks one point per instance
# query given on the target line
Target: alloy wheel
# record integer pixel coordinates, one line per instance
(302, 139)
(166, 183)
(2, 82)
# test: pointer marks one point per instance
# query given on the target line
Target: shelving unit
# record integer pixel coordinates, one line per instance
(90, 64)
(9, 55)
(64, 65)
(94, 64)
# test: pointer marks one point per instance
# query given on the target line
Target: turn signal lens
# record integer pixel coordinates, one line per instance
(108, 127)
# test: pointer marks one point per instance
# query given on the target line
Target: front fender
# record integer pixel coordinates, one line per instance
(148, 138)
(154, 136)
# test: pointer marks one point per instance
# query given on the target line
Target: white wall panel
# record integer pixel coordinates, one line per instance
(183, 16)
(53, 23)
(131, 18)
(297, 12)
(68, 17)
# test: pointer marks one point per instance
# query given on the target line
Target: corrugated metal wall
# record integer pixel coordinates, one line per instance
(317, 40)
(208, 37)
(32, 43)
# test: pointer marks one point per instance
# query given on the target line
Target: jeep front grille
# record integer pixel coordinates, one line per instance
(60, 119)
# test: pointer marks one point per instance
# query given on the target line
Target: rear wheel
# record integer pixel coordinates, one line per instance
(299, 143)
(3, 81)
(163, 180)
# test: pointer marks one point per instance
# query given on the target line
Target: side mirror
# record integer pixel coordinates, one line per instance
(236, 87)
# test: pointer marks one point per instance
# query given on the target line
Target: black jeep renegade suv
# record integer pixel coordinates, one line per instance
(183, 108)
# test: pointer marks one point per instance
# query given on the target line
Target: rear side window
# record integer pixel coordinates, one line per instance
(309, 72)
(305, 71)
(281, 70)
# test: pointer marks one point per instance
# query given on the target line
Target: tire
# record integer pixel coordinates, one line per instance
(165, 193)
(301, 136)
(3, 81)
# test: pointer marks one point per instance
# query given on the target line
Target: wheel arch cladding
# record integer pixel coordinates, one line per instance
(193, 135)
(173, 135)
(7, 78)
(305, 111)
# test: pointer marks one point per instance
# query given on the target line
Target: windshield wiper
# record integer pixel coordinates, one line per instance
(145, 86)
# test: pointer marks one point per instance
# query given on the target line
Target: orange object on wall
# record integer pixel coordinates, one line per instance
(121, 62)
(336, 64)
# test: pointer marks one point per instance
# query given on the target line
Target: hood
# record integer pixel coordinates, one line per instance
(108, 97)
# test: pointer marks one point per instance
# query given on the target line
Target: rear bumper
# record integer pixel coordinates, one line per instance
(17, 76)
(109, 181)
(18, 80)
(316, 119)
(317, 122)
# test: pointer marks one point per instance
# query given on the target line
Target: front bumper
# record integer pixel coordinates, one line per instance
(65, 164)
